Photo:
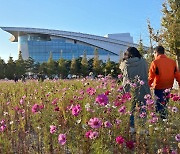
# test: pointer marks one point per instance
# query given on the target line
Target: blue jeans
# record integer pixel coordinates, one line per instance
(161, 102)
(133, 110)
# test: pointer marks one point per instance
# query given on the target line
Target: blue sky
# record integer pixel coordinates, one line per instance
(98, 17)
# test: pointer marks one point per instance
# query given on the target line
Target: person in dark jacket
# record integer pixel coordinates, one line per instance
(135, 69)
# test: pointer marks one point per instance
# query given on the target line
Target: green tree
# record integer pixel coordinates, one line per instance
(63, 71)
(42, 68)
(108, 66)
(51, 66)
(140, 47)
(171, 27)
(30, 65)
(11, 68)
(73, 68)
(2, 68)
(96, 63)
(84, 65)
(169, 35)
(20, 65)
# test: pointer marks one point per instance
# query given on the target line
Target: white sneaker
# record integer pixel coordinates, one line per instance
(132, 130)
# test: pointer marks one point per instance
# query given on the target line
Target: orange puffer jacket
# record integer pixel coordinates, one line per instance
(162, 73)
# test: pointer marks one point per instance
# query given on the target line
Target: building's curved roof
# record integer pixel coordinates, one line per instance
(106, 43)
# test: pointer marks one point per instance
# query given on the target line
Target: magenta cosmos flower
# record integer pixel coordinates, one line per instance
(62, 139)
(107, 124)
(91, 134)
(76, 110)
(91, 91)
(120, 140)
(35, 108)
(102, 99)
(122, 110)
(130, 145)
(177, 137)
(95, 123)
(52, 129)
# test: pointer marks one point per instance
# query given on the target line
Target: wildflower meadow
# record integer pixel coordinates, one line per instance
(82, 116)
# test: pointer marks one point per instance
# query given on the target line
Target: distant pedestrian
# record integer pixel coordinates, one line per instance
(23, 79)
(162, 73)
(15, 78)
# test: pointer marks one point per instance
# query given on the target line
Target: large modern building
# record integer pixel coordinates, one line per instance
(39, 43)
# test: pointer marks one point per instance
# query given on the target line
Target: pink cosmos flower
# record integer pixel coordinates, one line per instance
(88, 133)
(62, 139)
(41, 106)
(154, 119)
(95, 123)
(177, 137)
(120, 140)
(141, 82)
(102, 100)
(120, 89)
(142, 115)
(149, 102)
(35, 108)
(81, 92)
(54, 102)
(100, 76)
(21, 101)
(93, 135)
(8, 103)
(130, 145)
(107, 92)
(147, 96)
(2, 122)
(52, 129)
(24, 97)
(174, 152)
(120, 76)
(122, 110)
(56, 108)
(107, 124)
(174, 109)
(118, 122)
(91, 91)
(167, 90)
(126, 96)
(176, 98)
(2, 128)
(76, 110)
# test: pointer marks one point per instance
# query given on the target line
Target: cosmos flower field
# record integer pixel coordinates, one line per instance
(82, 116)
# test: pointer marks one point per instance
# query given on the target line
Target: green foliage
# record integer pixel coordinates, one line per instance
(108, 66)
(84, 65)
(63, 71)
(140, 47)
(20, 65)
(171, 27)
(73, 68)
(2, 68)
(51, 66)
(169, 34)
(29, 65)
(96, 63)
(10, 69)
(28, 132)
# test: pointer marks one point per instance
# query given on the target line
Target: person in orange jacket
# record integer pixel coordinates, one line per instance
(162, 73)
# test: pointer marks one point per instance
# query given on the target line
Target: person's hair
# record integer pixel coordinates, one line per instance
(133, 52)
(159, 49)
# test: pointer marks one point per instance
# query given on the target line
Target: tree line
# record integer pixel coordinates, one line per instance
(62, 68)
